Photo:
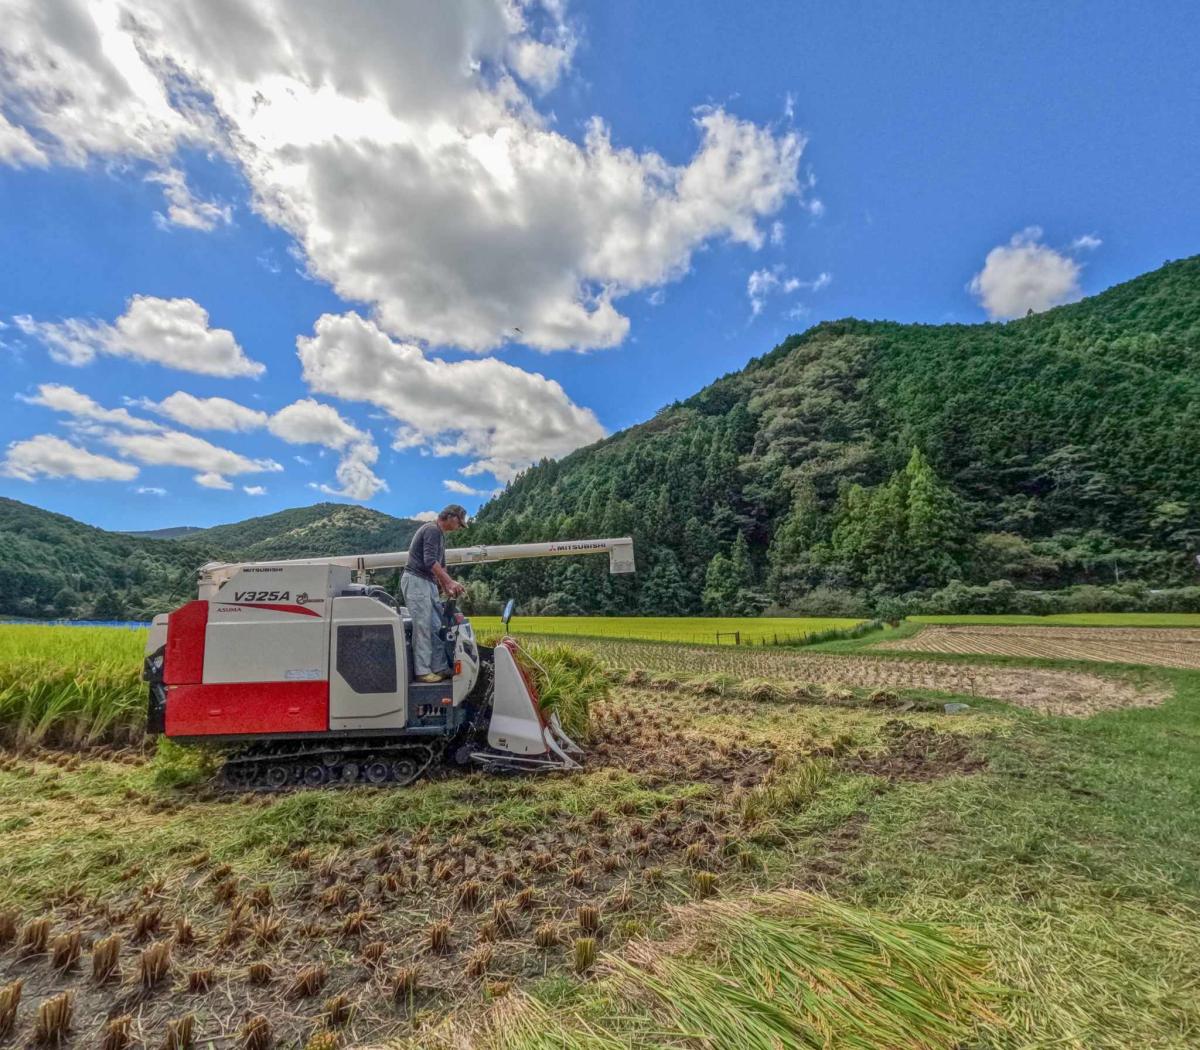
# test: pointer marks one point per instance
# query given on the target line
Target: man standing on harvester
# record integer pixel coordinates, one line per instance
(423, 575)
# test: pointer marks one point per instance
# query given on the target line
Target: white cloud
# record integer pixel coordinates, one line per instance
(184, 208)
(52, 457)
(254, 490)
(173, 448)
(212, 480)
(205, 413)
(502, 416)
(70, 401)
(170, 332)
(302, 461)
(308, 422)
(150, 490)
(356, 479)
(463, 489)
(17, 147)
(1086, 242)
(424, 515)
(397, 144)
(764, 283)
(778, 232)
(1025, 275)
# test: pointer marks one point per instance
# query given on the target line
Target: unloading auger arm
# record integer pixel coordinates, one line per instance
(620, 558)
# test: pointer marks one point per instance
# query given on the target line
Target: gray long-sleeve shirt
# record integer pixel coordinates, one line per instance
(428, 548)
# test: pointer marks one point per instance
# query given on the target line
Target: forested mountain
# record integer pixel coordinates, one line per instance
(871, 464)
(52, 565)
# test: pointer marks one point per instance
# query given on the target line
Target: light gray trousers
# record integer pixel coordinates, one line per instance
(421, 599)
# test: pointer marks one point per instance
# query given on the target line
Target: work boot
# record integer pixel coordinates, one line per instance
(431, 678)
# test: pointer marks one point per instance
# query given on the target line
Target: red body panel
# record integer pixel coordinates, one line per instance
(184, 662)
(238, 708)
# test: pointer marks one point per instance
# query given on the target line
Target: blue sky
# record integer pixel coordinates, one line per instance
(760, 167)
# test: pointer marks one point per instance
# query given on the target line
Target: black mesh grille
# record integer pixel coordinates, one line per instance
(366, 658)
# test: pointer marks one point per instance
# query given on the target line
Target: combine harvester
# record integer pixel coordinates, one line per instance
(308, 676)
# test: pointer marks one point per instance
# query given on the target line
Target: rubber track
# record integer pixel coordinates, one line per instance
(297, 760)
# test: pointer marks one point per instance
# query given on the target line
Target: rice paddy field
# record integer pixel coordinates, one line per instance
(1072, 620)
(1156, 646)
(770, 848)
(694, 630)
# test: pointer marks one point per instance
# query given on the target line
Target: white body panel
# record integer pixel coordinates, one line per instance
(356, 708)
(271, 625)
(467, 657)
(156, 637)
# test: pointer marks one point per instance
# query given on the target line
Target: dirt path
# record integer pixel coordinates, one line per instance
(1160, 647)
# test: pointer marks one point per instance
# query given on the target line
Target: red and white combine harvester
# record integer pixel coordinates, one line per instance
(308, 676)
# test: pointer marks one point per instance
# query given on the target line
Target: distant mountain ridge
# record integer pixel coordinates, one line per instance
(54, 566)
(175, 532)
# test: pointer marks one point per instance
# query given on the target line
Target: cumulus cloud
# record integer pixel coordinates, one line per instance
(356, 479)
(254, 490)
(148, 442)
(173, 448)
(764, 283)
(1025, 275)
(1086, 242)
(462, 488)
(52, 457)
(308, 422)
(78, 405)
(150, 490)
(184, 208)
(210, 479)
(170, 332)
(424, 515)
(205, 413)
(17, 147)
(502, 416)
(400, 145)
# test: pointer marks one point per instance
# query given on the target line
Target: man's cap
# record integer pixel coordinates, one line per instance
(454, 510)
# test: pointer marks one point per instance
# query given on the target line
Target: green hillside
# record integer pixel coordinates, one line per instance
(872, 464)
(176, 532)
(52, 565)
(310, 532)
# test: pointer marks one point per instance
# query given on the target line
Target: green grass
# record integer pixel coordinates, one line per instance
(1131, 619)
(691, 629)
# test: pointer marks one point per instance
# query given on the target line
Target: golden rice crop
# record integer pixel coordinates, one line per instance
(696, 630)
(71, 685)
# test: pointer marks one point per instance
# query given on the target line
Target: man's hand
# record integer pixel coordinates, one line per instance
(448, 585)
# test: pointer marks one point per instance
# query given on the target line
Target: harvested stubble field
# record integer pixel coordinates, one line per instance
(1047, 690)
(996, 879)
(1156, 646)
